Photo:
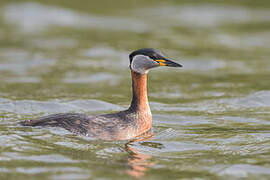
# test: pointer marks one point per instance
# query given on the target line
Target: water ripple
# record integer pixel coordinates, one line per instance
(34, 17)
(54, 106)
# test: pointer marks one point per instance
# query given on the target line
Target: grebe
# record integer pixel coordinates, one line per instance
(123, 125)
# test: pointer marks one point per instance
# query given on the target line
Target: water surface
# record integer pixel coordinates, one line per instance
(211, 119)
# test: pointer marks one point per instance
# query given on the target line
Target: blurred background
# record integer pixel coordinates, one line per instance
(211, 117)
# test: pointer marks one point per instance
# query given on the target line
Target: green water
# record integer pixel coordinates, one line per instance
(211, 118)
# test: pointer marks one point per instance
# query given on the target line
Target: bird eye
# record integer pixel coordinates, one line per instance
(152, 57)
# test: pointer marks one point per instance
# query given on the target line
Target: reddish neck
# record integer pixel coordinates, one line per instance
(139, 87)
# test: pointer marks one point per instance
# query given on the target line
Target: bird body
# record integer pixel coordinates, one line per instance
(123, 125)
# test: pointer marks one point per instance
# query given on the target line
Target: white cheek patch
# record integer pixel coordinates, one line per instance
(141, 64)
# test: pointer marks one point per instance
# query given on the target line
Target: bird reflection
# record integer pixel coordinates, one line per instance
(138, 161)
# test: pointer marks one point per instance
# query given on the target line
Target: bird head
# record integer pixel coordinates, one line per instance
(142, 60)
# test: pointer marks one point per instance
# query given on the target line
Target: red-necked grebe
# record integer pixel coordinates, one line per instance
(124, 125)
